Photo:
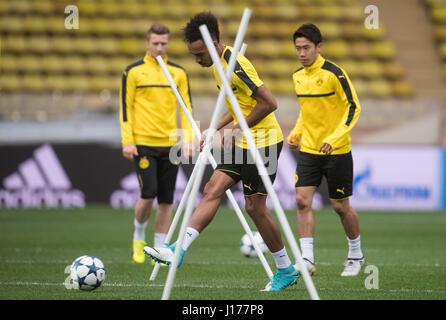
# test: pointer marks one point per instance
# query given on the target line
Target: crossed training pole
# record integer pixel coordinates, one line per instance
(193, 176)
(200, 165)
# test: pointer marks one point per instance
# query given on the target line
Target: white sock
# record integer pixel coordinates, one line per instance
(140, 230)
(158, 240)
(354, 248)
(281, 258)
(189, 237)
(306, 245)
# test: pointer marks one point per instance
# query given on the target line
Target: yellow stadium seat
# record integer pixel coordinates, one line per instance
(361, 87)
(371, 69)
(353, 13)
(85, 45)
(380, 88)
(10, 81)
(34, 24)
(132, 46)
(330, 30)
(11, 24)
(402, 89)
(74, 64)
(336, 49)
(352, 67)
(350, 30)
(440, 31)
(88, 7)
(330, 12)
(97, 65)
(383, 50)
(360, 50)
(286, 11)
(30, 63)
(52, 63)
(439, 13)
(32, 82)
(41, 44)
(107, 45)
(309, 12)
(393, 70)
(63, 44)
(9, 63)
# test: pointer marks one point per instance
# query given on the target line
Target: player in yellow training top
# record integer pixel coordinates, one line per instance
(329, 109)
(257, 104)
(148, 117)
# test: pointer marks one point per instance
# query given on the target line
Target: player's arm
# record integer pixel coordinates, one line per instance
(266, 104)
(127, 94)
(295, 134)
(352, 109)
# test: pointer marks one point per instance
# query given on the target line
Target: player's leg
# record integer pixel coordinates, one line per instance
(166, 179)
(146, 172)
(308, 177)
(202, 216)
(286, 275)
(305, 225)
(340, 188)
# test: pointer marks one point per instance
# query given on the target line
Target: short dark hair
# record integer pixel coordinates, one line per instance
(158, 28)
(309, 31)
(192, 32)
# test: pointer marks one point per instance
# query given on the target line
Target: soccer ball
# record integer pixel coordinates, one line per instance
(247, 248)
(87, 273)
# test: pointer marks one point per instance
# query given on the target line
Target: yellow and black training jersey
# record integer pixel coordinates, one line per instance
(148, 112)
(244, 82)
(329, 107)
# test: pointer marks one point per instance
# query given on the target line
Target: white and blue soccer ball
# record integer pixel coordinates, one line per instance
(247, 248)
(87, 273)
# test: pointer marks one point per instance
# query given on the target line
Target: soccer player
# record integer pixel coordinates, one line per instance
(257, 105)
(148, 117)
(329, 109)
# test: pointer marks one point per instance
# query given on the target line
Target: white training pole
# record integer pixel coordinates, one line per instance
(231, 198)
(217, 111)
(258, 160)
(214, 165)
(176, 217)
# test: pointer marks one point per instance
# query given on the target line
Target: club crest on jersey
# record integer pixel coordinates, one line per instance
(144, 163)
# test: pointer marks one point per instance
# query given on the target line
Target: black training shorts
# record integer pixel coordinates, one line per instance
(239, 165)
(156, 174)
(338, 170)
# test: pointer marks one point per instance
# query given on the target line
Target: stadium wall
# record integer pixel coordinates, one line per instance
(74, 175)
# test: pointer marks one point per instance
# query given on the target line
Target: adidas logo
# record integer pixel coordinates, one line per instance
(39, 182)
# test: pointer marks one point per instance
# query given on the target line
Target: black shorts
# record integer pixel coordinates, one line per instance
(239, 165)
(156, 174)
(338, 170)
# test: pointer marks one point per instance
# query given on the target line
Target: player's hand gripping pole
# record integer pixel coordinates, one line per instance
(201, 165)
(193, 176)
(258, 160)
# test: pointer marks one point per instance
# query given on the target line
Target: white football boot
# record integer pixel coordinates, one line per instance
(308, 264)
(352, 267)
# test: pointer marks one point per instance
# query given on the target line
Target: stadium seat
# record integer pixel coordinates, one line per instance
(336, 49)
(402, 89)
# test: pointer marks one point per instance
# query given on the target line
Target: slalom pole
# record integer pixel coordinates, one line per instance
(217, 111)
(260, 166)
(214, 165)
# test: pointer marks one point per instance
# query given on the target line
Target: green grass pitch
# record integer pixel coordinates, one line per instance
(36, 245)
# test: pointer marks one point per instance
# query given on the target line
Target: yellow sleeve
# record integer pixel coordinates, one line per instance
(184, 89)
(126, 95)
(349, 99)
(297, 130)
